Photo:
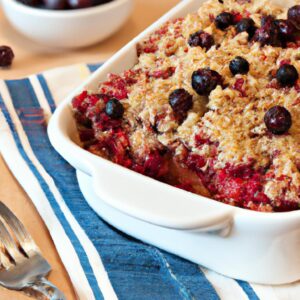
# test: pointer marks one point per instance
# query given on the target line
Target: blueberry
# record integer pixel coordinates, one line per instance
(266, 19)
(294, 15)
(246, 25)
(75, 4)
(278, 120)
(269, 33)
(239, 65)
(6, 56)
(286, 27)
(201, 39)
(114, 109)
(287, 75)
(224, 20)
(181, 101)
(99, 2)
(55, 4)
(205, 80)
(287, 30)
(30, 2)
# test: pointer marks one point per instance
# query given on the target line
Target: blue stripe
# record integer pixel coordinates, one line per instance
(47, 92)
(248, 290)
(93, 67)
(18, 93)
(191, 283)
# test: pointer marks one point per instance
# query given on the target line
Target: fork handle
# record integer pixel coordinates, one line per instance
(42, 289)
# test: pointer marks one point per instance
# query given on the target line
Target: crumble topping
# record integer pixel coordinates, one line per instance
(221, 147)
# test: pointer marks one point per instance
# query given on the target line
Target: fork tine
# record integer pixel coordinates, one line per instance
(4, 261)
(24, 238)
(9, 244)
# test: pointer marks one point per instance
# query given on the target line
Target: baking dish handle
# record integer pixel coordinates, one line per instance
(137, 195)
(157, 203)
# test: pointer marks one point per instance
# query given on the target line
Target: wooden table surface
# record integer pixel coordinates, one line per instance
(31, 58)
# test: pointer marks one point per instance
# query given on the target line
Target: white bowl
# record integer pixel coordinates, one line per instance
(253, 246)
(68, 28)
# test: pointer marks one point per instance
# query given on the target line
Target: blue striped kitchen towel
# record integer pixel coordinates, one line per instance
(102, 262)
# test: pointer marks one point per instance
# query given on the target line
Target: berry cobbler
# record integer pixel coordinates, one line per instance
(212, 106)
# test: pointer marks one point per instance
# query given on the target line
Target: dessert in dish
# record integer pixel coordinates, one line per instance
(211, 106)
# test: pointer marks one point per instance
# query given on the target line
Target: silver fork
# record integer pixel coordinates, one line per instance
(23, 267)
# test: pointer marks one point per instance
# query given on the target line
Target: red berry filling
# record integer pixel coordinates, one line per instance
(239, 86)
(164, 74)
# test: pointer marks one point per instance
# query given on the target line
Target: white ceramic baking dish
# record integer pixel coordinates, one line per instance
(257, 247)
